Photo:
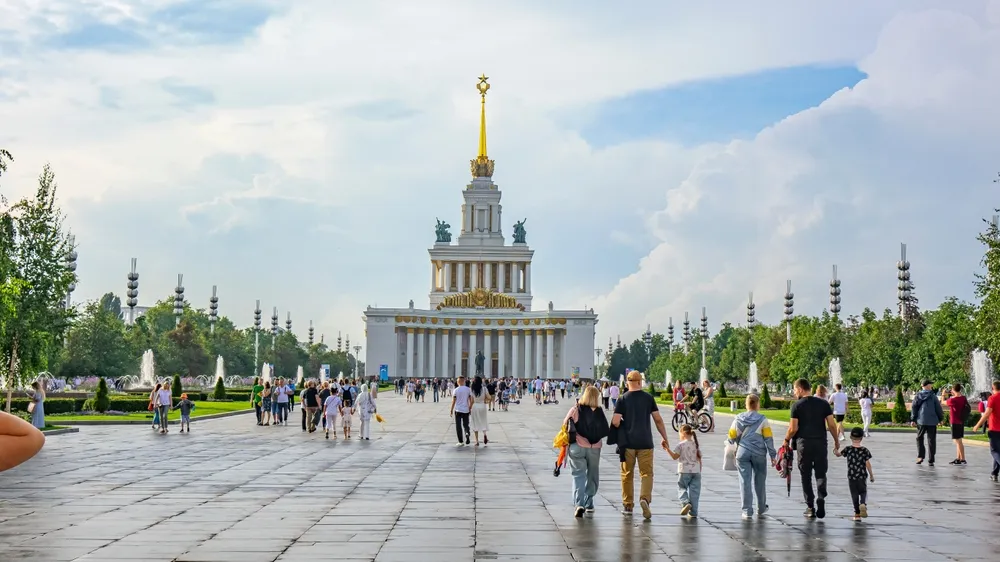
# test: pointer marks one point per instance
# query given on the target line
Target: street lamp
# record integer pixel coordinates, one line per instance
(751, 322)
(132, 294)
(789, 310)
(834, 294)
(70, 261)
(904, 284)
(357, 352)
(687, 333)
(597, 365)
(670, 335)
(704, 337)
(213, 309)
(647, 338)
(288, 323)
(179, 300)
(311, 331)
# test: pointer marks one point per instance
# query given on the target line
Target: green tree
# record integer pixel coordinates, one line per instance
(5, 158)
(765, 399)
(188, 349)
(220, 390)
(899, 413)
(175, 387)
(36, 278)
(987, 318)
(102, 401)
(112, 304)
(96, 345)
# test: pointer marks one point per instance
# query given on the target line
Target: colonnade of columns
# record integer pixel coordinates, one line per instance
(502, 277)
(533, 352)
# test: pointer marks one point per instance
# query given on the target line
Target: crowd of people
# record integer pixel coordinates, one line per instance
(325, 405)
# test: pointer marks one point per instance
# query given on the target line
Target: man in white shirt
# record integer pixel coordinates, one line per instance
(562, 389)
(538, 390)
(461, 406)
(839, 402)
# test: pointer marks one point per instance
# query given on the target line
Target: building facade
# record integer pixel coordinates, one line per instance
(480, 302)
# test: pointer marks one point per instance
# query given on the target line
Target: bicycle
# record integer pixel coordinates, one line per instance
(705, 422)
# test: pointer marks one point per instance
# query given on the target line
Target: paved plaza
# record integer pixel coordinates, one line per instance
(231, 491)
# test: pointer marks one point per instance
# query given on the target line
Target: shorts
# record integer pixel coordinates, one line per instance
(331, 421)
(346, 421)
(187, 419)
(839, 417)
(957, 431)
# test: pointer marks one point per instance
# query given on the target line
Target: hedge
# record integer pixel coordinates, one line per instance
(70, 405)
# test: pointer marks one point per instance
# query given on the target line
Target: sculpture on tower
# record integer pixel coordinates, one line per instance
(441, 230)
(482, 166)
(480, 361)
(519, 232)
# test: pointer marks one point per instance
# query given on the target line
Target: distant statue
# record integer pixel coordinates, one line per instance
(480, 360)
(441, 230)
(411, 304)
(519, 232)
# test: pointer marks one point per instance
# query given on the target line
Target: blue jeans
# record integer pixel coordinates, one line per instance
(156, 416)
(584, 464)
(435, 395)
(753, 472)
(689, 489)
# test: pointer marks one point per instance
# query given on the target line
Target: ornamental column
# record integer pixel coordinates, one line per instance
(458, 352)
(488, 352)
(432, 353)
(550, 347)
(409, 353)
(527, 353)
(433, 277)
(445, 336)
(470, 360)
(539, 334)
(420, 353)
(501, 351)
(447, 276)
(461, 278)
(488, 277)
(527, 277)
(513, 353)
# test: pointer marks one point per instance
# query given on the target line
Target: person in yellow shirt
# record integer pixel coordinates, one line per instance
(751, 431)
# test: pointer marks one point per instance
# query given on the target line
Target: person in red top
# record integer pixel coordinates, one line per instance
(992, 417)
(958, 408)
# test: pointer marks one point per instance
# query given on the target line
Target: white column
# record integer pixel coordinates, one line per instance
(488, 352)
(447, 276)
(409, 353)
(501, 352)
(499, 267)
(421, 353)
(433, 277)
(527, 354)
(471, 359)
(488, 276)
(432, 354)
(461, 277)
(458, 353)
(550, 355)
(539, 342)
(513, 352)
(445, 360)
(527, 277)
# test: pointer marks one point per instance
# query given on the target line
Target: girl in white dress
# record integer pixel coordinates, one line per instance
(480, 398)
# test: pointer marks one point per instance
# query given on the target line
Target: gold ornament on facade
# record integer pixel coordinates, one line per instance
(538, 321)
(399, 318)
(423, 319)
(473, 322)
(482, 166)
(460, 321)
(480, 298)
(501, 322)
(434, 320)
(447, 321)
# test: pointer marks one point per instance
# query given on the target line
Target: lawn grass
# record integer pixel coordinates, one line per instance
(200, 409)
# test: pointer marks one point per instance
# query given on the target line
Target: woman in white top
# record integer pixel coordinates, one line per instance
(709, 393)
(866, 411)
(478, 421)
(164, 401)
(366, 409)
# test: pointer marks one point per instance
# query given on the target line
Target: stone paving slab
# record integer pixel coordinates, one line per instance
(232, 491)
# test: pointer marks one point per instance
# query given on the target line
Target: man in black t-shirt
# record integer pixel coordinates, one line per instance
(810, 420)
(635, 441)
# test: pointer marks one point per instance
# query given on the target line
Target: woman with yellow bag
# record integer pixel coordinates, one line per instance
(591, 427)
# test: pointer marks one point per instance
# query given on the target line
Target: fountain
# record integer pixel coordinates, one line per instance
(204, 381)
(753, 383)
(147, 370)
(299, 376)
(703, 375)
(668, 378)
(982, 372)
(265, 373)
(220, 369)
(835, 375)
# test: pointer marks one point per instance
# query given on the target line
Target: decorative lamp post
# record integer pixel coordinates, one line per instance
(789, 310)
(704, 336)
(687, 333)
(132, 292)
(256, 335)
(607, 356)
(347, 343)
(751, 322)
(834, 294)
(618, 344)
(213, 309)
(288, 323)
(647, 339)
(670, 335)
(311, 332)
(339, 342)
(904, 286)
(70, 261)
(274, 328)
(357, 352)
(597, 365)
(179, 300)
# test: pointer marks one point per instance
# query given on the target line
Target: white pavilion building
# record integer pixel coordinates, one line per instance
(480, 300)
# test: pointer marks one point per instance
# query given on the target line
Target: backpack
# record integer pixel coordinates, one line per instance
(966, 412)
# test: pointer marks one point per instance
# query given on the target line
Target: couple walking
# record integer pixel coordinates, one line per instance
(469, 403)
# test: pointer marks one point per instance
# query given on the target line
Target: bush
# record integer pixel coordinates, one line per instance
(220, 390)
(878, 416)
(652, 390)
(175, 387)
(722, 390)
(899, 413)
(101, 399)
(765, 399)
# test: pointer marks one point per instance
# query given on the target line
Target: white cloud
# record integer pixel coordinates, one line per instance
(339, 131)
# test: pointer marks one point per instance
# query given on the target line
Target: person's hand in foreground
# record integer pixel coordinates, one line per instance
(19, 441)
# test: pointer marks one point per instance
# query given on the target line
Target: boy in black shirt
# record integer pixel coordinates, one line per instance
(859, 466)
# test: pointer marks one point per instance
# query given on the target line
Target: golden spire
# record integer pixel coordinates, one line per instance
(482, 166)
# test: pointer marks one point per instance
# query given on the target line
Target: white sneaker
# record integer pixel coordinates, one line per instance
(747, 515)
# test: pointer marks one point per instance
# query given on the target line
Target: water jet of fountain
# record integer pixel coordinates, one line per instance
(982, 372)
(836, 377)
(300, 376)
(220, 369)
(265, 373)
(752, 380)
(668, 377)
(147, 370)
(703, 375)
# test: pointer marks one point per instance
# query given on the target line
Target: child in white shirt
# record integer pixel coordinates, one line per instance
(331, 409)
(688, 454)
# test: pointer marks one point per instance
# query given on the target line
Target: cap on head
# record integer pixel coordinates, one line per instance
(635, 376)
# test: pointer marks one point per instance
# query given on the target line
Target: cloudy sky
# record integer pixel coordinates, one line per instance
(667, 155)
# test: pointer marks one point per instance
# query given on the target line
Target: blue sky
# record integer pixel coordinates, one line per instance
(668, 155)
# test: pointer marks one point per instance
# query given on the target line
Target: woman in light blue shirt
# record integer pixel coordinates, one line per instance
(755, 440)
